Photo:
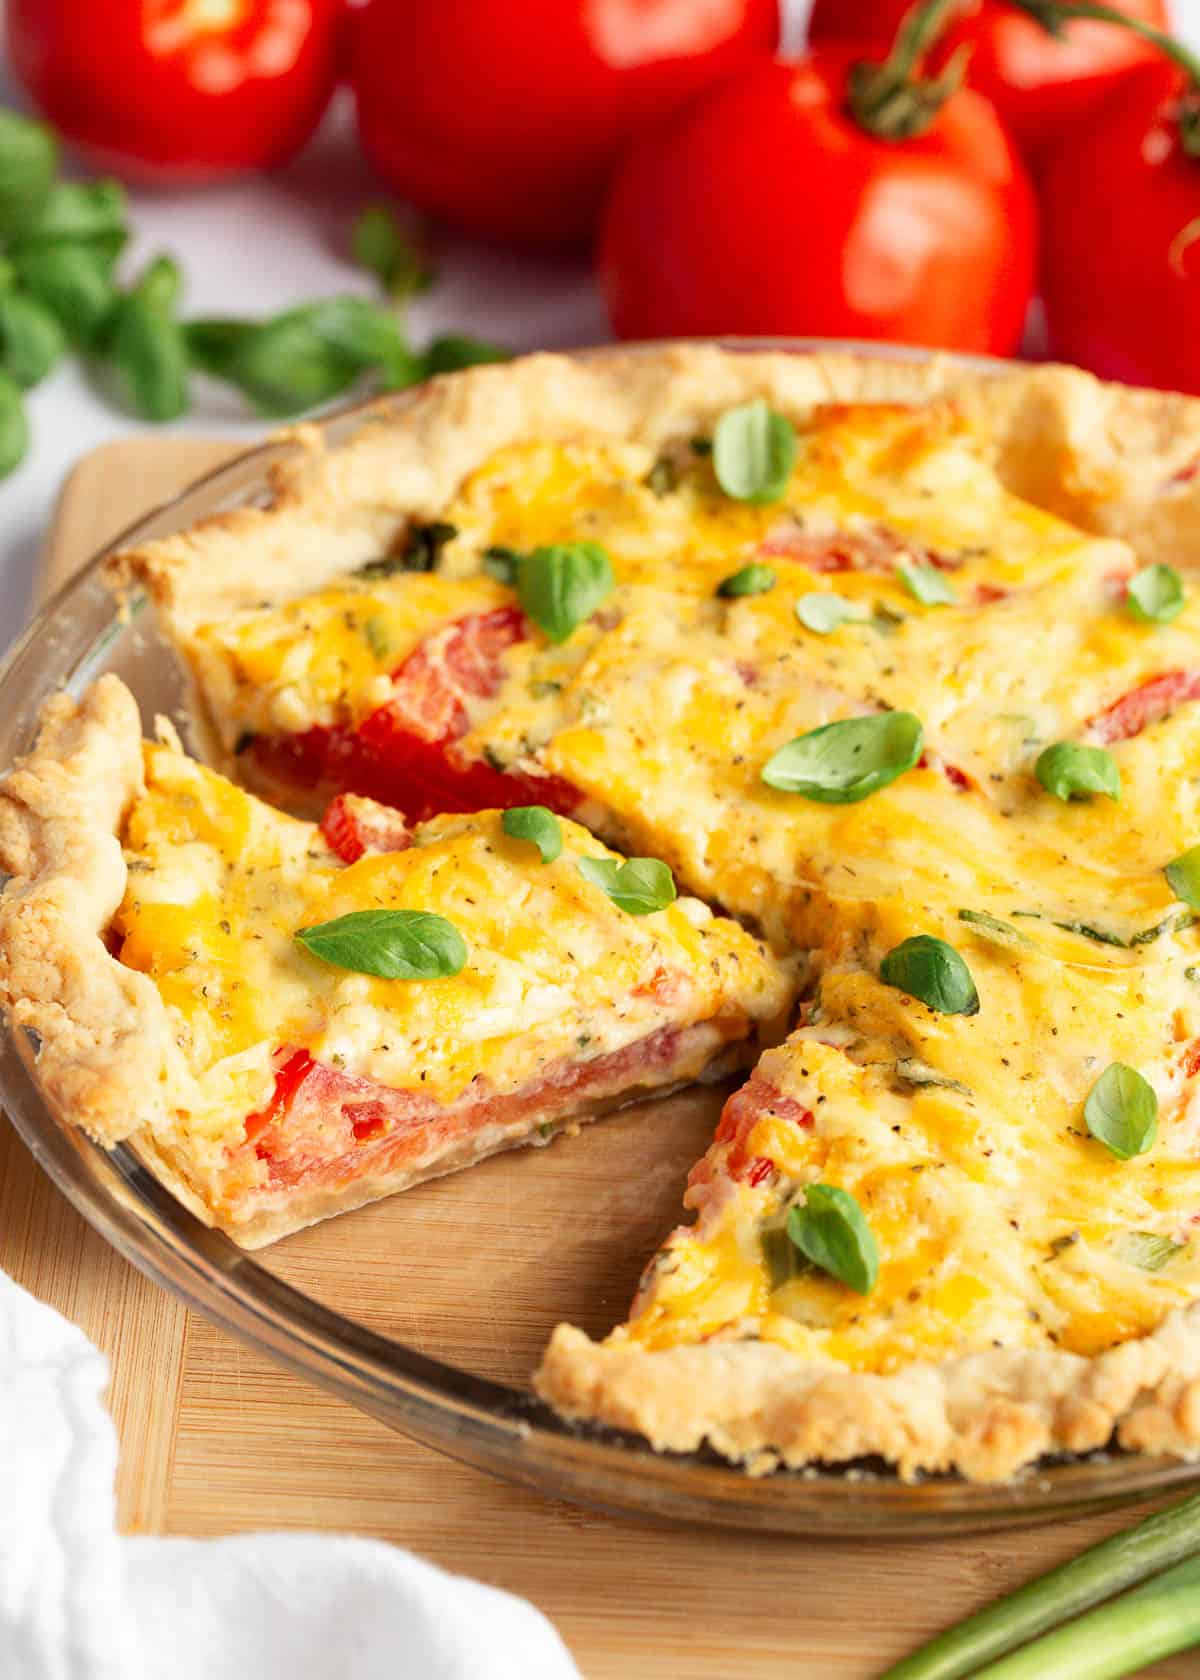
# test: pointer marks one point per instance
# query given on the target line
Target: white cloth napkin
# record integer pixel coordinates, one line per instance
(78, 1602)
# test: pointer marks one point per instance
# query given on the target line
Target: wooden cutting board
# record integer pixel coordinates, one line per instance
(215, 1439)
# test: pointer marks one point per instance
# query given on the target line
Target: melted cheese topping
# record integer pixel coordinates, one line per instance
(999, 1219)
(219, 883)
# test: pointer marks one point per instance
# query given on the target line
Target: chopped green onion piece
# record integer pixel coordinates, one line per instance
(750, 580)
(926, 584)
(1155, 594)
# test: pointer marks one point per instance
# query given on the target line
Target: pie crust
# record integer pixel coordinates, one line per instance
(1115, 461)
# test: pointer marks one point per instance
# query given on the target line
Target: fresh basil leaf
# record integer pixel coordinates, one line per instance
(782, 1259)
(1121, 1111)
(380, 243)
(537, 825)
(1070, 771)
(14, 426)
(1183, 877)
(637, 886)
(995, 931)
(31, 340)
(831, 1231)
(501, 563)
(929, 969)
(1155, 595)
(73, 282)
(926, 584)
(213, 341)
(80, 210)
(358, 329)
(454, 351)
(824, 612)
(840, 763)
(1147, 1250)
(753, 452)
(561, 586)
(160, 283)
(754, 579)
(149, 351)
(393, 944)
(28, 164)
(282, 365)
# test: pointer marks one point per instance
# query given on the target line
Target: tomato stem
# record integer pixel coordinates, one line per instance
(1054, 15)
(890, 100)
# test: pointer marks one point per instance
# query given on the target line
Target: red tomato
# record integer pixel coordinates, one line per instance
(765, 208)
(506, 119)
(178, 90)
(1042, 85)
(1122, 262)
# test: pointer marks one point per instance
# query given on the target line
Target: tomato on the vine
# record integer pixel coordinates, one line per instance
(506, 119)
(1043, 85)
(1122, 216)
(178, 90)
(766, 207)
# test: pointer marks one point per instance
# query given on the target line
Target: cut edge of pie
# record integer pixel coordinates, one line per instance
(109, 1061)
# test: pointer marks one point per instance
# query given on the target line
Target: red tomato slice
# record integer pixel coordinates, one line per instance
(403, 754)
(354, 827)
(1149, 703)
(873, 550)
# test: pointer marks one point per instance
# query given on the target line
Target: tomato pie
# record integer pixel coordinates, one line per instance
(895, 663)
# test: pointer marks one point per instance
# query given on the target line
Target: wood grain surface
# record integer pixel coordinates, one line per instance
(214, 1439)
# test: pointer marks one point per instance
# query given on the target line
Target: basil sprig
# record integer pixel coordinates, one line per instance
(393, 944)
(1155, 595)
(754, 579)
(995, 931)
(926, 584)
(1183, 877)
(537, 825)
(1070, 771)
(638, 886)
(841, 763)
(929, 969)
(824, 612)
(1121, 1111)
(753, 452)
(562, 585)
(831, 1231)
(147, 344)
(28, 164)
(380, 243)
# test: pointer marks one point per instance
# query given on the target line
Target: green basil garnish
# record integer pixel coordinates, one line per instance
(28, 161)
(991, 928)
(754, 579)
(638, 886)
(74, 282)
(380, 243)
(929, 969)
(823, 612)
(1121, 1111)
(14, 426)
(753, 452)
(1155, 594)
(393, 944)
(926, 584)
(1183, 877)
(840, 763)
(561, 586)
(1070, 771)
(31, 339)
(831, 1231)
(450, 352)
(1147, 1249)
(148, 347)
(537, 825)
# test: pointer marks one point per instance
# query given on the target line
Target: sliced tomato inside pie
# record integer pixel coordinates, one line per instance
(290, 1021)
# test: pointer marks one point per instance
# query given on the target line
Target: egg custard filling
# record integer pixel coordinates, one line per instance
(333, 1013)
(898, 664)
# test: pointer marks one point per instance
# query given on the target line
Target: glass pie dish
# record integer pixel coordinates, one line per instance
(430, 1310)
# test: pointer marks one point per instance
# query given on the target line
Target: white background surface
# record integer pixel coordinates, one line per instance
(260, 244)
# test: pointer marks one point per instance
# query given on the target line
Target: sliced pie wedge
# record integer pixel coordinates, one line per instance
(287, 1022)
(951, 1239)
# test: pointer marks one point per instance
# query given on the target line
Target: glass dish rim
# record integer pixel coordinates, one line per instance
(503, 1430)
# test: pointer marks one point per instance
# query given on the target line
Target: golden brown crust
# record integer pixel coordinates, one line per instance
(1115, 461)
(104, 1046)
(984, 1415)
(1103, 455)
